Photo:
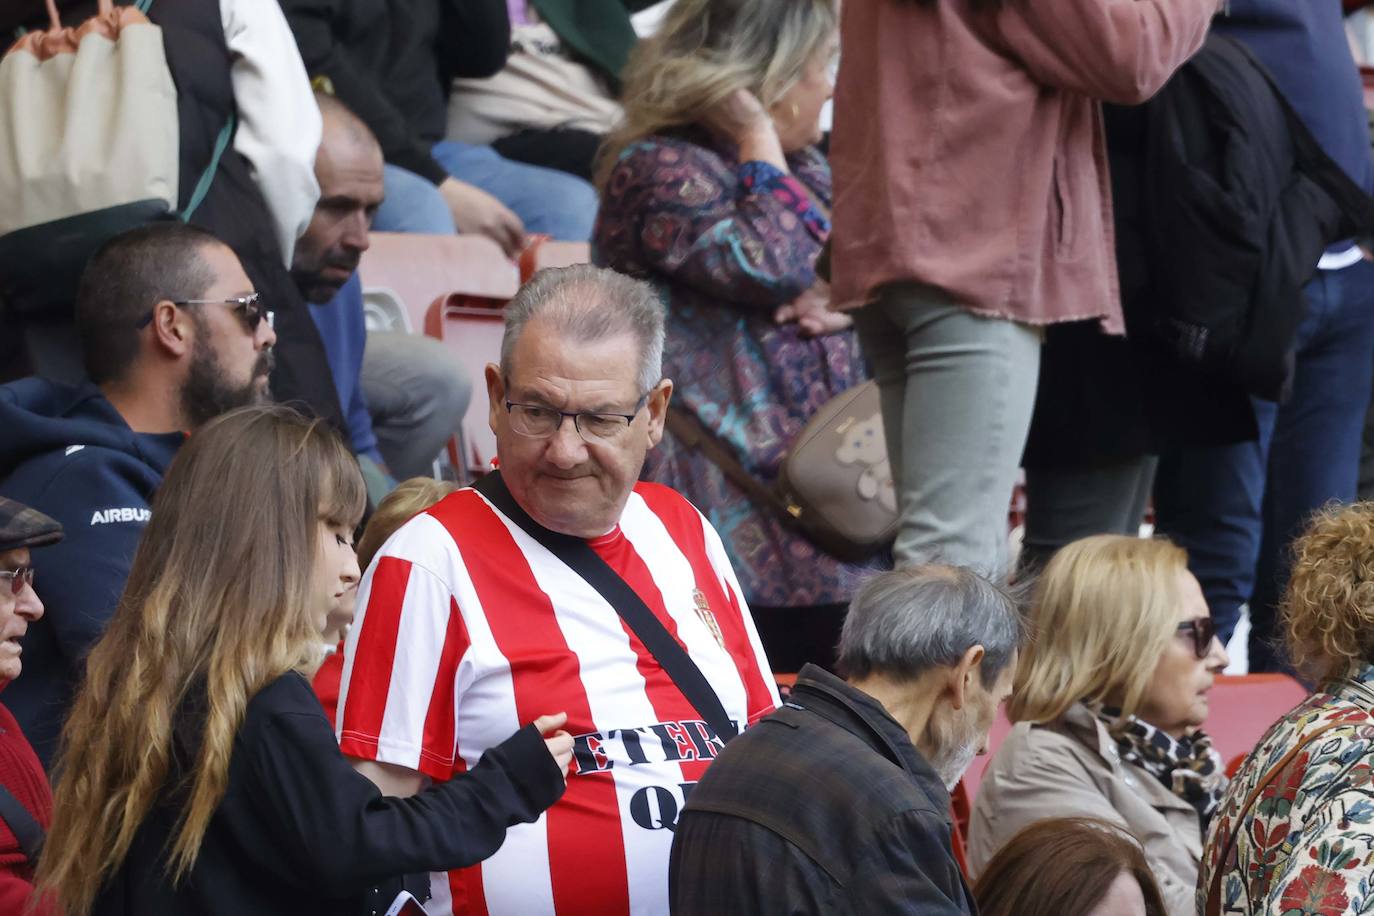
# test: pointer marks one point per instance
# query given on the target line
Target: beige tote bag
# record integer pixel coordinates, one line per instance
(88, 119)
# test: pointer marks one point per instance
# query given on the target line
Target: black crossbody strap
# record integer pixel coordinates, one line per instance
(21, 824)
(1354, 201)
(584, 561)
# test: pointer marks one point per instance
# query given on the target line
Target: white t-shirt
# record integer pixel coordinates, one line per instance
(468, 629)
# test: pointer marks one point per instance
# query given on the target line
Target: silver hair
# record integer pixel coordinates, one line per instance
(905, 622)
(586, 304)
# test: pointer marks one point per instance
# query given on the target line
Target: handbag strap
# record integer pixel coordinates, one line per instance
(103, 7)
(1354, 201)
(207, 177)
(692, 434)
(584, 561)
(21, 824)
(1213, 906)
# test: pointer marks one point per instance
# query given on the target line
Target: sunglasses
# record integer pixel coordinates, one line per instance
(1203, 631)
(250, 308)
(18, 578)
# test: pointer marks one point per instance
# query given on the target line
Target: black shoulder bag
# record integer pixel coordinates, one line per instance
(22, 825)
(584, 561)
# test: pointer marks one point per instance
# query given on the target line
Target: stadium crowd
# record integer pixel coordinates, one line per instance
(929, 379)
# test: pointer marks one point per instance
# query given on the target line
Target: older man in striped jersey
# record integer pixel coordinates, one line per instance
(470, 624)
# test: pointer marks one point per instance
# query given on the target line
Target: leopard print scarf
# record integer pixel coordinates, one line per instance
(1189, 766)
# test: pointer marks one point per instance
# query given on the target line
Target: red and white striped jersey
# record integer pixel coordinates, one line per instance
(468, 629)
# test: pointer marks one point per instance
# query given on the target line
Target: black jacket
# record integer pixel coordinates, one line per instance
(300, 832)
(825, 806)
(391, 61)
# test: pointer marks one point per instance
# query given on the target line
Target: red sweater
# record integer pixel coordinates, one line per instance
(23, 775)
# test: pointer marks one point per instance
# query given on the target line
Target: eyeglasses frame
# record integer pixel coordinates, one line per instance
(19, 577)
(629, 418)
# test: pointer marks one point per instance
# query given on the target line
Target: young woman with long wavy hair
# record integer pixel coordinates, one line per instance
(197, 772)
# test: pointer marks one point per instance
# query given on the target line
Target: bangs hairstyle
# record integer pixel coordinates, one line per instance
(1105, 609)
(217, 605)
(1327, 611)
(1063, 865)
(705, 50)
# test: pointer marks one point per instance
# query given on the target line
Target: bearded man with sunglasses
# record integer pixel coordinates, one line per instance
(172, 335)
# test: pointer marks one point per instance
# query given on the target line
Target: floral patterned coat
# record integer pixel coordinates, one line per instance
(727, 243)
(1307, 846)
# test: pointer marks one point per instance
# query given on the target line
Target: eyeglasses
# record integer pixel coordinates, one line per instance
(250, 308)
(18, 578)
(535, 422)
(1203, 630)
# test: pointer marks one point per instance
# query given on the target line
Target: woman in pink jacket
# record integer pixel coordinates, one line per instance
(971, 209)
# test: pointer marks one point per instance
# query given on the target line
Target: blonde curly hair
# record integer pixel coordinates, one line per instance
(1327, 611)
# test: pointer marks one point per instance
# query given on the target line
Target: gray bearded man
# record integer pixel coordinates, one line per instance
(839, 801)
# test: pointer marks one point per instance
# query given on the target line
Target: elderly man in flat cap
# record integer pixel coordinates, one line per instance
(25, 799)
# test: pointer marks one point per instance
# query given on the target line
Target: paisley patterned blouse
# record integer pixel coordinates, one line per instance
(726, 244)
(1307, 846)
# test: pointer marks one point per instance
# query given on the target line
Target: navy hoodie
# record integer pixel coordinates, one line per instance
(68, 453)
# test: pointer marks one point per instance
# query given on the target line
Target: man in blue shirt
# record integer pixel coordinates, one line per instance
(403, 395)
(1237, 508)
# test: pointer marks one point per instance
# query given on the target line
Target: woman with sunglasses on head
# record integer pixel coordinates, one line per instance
(1109, 700)
(197, 773)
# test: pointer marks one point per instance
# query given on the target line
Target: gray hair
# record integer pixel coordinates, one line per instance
(587, 304)
(903, 623)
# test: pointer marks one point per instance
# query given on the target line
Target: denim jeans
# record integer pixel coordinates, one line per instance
(417, 393)
(957, 391)
(547, 201)
(412, 204)
(1237, 508)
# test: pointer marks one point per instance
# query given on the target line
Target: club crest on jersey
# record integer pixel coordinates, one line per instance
(703, 608)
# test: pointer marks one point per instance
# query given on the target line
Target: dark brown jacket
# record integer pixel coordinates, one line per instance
(825, 806)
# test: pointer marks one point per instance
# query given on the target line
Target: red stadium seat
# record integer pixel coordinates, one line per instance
(421, 268)
(471, 326)
(542, 252)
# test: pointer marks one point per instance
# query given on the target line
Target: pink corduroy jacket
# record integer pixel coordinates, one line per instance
(968, 149)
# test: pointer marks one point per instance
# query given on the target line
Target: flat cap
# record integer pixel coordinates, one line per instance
(21, 526)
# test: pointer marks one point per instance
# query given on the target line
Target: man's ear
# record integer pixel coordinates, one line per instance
(657, 406)
(965, 676)
(172, 330)
(496, 394)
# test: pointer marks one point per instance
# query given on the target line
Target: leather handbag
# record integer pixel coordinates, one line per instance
(835, 485)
